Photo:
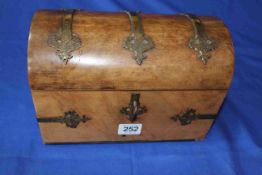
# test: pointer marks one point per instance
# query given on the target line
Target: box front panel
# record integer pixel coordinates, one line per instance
(153, 115)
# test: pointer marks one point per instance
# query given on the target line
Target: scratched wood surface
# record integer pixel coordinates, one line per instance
(102, 63)
(103, 108)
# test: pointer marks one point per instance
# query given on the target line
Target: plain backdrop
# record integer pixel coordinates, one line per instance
(233, 145)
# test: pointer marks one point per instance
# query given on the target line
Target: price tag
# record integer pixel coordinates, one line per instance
(129, 129)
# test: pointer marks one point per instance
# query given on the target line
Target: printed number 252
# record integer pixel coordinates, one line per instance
(130, 128)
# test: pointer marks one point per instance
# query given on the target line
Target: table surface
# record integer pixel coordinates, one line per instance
(233, 145)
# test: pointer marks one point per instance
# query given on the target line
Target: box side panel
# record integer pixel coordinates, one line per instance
(103, 108)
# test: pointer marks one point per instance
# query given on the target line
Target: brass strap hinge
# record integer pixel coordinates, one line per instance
(200, 42)
(137, 41)
(64, 40)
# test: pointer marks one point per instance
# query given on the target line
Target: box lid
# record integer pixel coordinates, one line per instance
(101, 62)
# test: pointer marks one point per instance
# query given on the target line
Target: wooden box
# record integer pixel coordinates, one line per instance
(99, 77)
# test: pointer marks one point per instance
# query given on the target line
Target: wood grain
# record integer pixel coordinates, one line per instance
(104, 107)
(102, 63)
(100, 78)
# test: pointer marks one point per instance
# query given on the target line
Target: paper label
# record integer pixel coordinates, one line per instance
(129, 129)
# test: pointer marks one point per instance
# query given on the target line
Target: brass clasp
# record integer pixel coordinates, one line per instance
(133, 109)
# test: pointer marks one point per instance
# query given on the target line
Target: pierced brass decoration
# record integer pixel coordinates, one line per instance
(185, 118)
(200, 42)
(133, 109)
(190, 115)
(70, 118)
(64, 40)
(137, 41)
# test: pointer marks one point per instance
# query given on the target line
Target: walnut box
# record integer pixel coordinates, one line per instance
(99, 77)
